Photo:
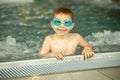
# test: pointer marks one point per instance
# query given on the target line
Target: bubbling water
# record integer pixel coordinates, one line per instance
(105, 41)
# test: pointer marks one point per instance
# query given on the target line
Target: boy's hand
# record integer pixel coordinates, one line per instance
(60, 55)
(88, 53)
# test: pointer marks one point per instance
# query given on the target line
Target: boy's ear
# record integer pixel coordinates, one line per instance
(51, 24)
(72, 26)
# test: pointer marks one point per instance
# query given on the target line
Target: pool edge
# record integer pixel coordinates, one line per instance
(52, 65)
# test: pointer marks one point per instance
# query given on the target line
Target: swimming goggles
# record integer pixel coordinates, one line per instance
(66, 23)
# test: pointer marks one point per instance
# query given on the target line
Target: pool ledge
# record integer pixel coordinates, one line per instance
(52, 65)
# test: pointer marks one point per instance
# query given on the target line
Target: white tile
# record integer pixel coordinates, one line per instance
(82, 75)
(113, 73)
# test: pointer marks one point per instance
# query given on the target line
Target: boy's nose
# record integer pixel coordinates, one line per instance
(62, 25)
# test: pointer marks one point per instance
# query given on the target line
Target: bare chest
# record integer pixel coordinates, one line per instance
(69, 46)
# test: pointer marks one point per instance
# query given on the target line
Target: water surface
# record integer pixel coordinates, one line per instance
(23, 27)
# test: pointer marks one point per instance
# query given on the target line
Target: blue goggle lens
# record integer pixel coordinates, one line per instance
(57, 22)
(67, 23)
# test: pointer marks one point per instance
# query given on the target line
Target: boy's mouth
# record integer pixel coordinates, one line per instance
(62, 30)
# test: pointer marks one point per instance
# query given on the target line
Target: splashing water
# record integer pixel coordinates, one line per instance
(101, 42)
(11, 50)
(10, 41)
(104, 40)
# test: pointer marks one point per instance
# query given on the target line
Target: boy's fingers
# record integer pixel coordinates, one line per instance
(92, 54)
(59, 57)
(63, 52)
(82, 52)
(85, 56)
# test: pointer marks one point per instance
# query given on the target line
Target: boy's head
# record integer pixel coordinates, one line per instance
(62, 21)
(65, 11)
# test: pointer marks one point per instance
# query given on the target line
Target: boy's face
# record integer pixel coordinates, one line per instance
(62, 28)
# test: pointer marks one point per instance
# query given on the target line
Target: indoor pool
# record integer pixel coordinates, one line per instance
(24, 26)
(25, 23)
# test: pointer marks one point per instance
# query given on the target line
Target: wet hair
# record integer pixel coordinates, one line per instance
(64, 11)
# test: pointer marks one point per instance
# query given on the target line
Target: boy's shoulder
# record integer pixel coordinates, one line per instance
(49, 36)
(76, 34)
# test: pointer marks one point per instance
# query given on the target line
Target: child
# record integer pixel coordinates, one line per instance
(63, 42)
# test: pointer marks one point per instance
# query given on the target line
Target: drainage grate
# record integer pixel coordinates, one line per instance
(51, 65)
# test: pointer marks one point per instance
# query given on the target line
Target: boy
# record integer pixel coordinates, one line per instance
(63, 42)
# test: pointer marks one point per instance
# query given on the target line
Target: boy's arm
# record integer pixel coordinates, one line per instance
(44, 51)
(87, 49)
(82, 42)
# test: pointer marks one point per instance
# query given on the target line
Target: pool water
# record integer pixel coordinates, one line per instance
(23, 27)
